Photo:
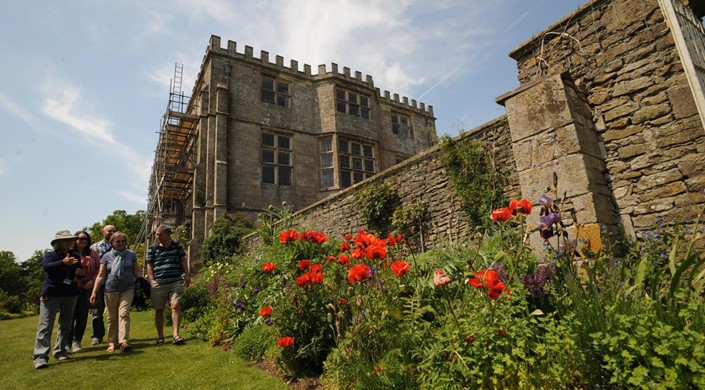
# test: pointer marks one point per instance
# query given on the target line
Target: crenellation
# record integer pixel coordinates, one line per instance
(413, 103)
(358, 76)
(264, 56)
(368, 80)
(346, 71)
(249, 51)
(232, 46)
(307, 69)
(405, 100)
(422, 106)
(334, 68)
(396, 97)
(294, 65)
(279, 61)
(215, 42)
(321, 69)
(387, 95)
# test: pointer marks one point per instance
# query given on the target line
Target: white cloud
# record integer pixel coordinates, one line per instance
(62, 103)
(18, 111)
(134, 197)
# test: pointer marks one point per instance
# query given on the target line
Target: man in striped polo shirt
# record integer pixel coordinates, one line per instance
(168, 274)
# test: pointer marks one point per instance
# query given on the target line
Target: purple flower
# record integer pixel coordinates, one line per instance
(537, 281)
(268, 322)
(238, 304)
(545, 200)
(255, 290)
(550, 219)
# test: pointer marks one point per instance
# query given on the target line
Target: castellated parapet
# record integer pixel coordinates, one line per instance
(266, 131)
(293, 70)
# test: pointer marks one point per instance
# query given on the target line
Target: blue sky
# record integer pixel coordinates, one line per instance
(84, 83)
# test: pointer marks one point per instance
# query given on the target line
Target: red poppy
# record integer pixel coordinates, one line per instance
(288, 236)
(501, 332)
(331, 258)
(316, 277)
(376, 252)
(303, 264)
(316, 268)
(345, 246)
(285, 341)
(343, 259)
(501, 215)
(269, 267)
(520, 206)
(317, 237)
(393, 239)
(400, 267)
(470, 339)
(342, 301)
(304, 280)
(358, 273)
(496, 290)
(358, 253)
(348, 236)
(266, 311)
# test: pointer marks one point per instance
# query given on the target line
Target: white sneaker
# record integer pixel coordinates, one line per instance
(76, 347)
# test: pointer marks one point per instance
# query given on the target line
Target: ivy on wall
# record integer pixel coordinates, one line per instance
(474, 176)
(377, 203)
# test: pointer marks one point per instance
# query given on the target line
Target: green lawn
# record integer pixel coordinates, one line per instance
(194, 365)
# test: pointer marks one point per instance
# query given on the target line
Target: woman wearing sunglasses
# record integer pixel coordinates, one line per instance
(85, 279)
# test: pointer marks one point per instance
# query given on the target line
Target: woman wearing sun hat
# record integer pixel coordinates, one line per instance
(59, 293)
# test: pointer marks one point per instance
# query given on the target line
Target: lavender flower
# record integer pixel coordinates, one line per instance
(268, 322)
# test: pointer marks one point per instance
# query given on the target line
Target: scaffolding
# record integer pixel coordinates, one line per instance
(171, 181)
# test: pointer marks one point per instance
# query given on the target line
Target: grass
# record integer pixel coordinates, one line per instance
(195, 365)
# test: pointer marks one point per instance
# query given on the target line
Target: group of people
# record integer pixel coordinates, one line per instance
(80, 277)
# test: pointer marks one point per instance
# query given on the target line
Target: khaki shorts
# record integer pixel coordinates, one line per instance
(161, 292)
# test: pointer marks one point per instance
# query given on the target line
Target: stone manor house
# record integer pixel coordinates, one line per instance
(611, 98)
(256, 133)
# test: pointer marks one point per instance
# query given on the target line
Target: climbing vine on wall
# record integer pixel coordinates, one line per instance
(377, 203)
(474, 177)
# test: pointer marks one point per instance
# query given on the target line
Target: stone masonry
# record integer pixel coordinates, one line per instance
(605, 103)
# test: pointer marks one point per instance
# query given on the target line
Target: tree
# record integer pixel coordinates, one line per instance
(10, 274)
(224, 239)
(33, 278)
(130, 224)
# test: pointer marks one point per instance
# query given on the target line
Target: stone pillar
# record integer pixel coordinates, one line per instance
(198, 211)
(220, 169)
(552, 131)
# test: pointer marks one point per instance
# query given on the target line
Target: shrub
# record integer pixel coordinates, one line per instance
(224, 238)
(253, 343)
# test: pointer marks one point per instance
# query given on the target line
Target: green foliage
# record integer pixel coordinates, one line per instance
(604, 323)
(476, 179)
(377, 203)
(10, 274)
(254, 342)
(274, 220)
(130, 224)
(224, 238)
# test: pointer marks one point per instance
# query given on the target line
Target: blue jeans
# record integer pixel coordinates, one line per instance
(47, 314)
(80, 315)
(97, 315)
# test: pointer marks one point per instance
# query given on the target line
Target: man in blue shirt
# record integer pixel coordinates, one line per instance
(167, 270)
